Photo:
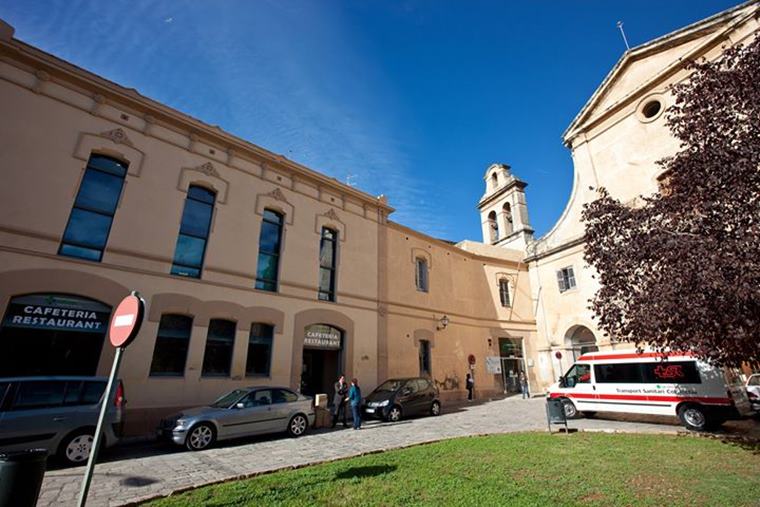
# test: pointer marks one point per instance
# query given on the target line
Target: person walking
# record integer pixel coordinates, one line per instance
(470, 384)
(523, 379)
(339, 401)
(355, 399)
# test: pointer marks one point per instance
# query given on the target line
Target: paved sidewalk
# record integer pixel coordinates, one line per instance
(138, 472)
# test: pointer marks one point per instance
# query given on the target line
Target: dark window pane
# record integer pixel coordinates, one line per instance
(87, 229)
(99, 191)
(259, 350)
(671, 372)
(73, 392)
(92, 392)
(629, 373)
(201, 194)
(196, 219)
(283, 396)
(269, 240)
(39, 395)
(272, 216)
(170, 352)
(189, 251)
(108, 164)
(264, 285)
(80, 252)
(266, 270)
(218, 355)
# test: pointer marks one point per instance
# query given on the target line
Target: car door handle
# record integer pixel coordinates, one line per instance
(593, 387)
(59, 419)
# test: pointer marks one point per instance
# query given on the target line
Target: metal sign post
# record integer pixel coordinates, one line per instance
(125, 324)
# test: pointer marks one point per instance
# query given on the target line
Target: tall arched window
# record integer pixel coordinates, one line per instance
(91, 217)
(193, 232)
(493, 227)
(508, 225)
(504, 292)
(269, 251)
(494, 181)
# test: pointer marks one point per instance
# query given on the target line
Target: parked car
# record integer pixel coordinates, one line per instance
(58, 414)
(243, 412)
(397, 398)
(753, 391)
(701, 395)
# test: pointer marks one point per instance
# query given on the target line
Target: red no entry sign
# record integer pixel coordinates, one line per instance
(126, 320)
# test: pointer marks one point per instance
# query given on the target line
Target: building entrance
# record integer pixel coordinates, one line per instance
(322, 359)
(52, 334)
(512, 363)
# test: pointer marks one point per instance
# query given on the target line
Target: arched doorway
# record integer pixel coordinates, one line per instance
(52, 334)
(322, 358)
(581, 340)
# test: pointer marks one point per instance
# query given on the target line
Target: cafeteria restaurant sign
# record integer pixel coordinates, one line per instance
(322, 336)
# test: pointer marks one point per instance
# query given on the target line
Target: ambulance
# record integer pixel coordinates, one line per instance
(702, 396)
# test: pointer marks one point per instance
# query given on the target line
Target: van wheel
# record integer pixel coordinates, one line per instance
(694, 417)
(570, 411)
(200, 437)
(75, 448)
(394, 414)
(589, 415)
(297, 425)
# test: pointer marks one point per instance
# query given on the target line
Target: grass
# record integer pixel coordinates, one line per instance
(515, 469)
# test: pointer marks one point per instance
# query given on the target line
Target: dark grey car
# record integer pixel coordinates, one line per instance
(250, 411)
(58, 414)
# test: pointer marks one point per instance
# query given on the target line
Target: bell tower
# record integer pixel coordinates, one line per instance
(504, 210)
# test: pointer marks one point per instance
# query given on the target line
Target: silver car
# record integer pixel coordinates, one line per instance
(251, 411)
(58, 414)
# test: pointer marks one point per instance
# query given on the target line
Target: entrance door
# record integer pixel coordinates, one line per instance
(320, 371)
(510, 369)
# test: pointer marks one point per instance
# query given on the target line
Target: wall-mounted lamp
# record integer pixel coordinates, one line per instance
(442, 323)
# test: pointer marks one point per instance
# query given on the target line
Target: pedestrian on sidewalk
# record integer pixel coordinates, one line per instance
(470, 385)
(523, 379)
(355, 399)
(339, 401)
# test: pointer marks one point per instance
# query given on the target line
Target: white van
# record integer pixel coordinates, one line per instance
(701, 395)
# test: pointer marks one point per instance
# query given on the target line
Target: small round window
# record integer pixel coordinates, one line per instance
(651, 109)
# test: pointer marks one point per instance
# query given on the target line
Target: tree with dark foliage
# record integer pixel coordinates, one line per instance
(681, 270)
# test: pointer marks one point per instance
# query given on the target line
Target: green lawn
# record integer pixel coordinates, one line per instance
(516, 469)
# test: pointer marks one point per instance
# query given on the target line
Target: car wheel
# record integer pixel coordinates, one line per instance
(297, 425)
(589, 415)
(694, 417)
(200, 437)
(394, 414)
(75, 448)
(570, 411)
(435, 409)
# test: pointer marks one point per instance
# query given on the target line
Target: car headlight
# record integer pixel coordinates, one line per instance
(180, 423)
(380, 403)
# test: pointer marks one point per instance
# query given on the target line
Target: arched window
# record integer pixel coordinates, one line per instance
(217, 358)
(328, 250)
(269, 251)
(91, 217)
(193, 232)
(508, 225)
(504, 292)
(421, 274)
(170, 351)
(494, 181)
(493, 227)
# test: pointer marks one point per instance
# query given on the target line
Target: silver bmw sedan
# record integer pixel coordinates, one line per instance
(251, 411)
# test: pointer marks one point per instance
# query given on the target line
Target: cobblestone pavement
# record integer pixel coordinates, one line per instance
(137, 472)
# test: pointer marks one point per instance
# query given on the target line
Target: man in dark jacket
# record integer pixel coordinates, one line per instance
(339, 401)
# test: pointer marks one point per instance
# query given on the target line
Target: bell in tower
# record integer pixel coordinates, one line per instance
(504, 210)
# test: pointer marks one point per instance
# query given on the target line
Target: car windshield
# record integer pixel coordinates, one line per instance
(228, 399)
(389, 386)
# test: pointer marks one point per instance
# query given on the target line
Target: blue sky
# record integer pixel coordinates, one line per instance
(412, 99)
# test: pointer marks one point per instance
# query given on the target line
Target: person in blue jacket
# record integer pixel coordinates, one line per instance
(355, 399)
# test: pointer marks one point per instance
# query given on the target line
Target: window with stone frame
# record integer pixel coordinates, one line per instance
(504, 292)
(566, 279)
(421, 274)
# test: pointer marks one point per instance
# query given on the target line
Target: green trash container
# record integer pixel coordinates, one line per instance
(21, 474)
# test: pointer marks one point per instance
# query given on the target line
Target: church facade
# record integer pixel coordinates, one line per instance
(258, 270)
